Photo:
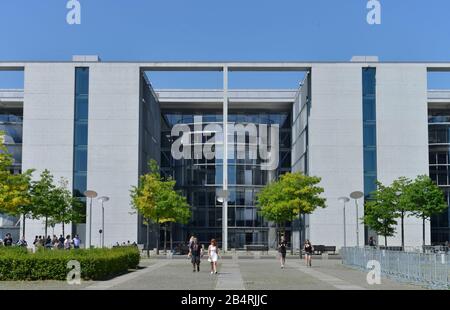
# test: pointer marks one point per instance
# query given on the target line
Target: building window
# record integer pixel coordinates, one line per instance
(80, 148)
(369, 130)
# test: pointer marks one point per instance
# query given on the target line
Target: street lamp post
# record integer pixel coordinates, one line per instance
(357, 195)
(344, 200)
(222, 197)
(102, 200)
(91, 195)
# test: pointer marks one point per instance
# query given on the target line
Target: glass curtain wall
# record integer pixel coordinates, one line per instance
(200, 179)
(439, 148)
(11, 124)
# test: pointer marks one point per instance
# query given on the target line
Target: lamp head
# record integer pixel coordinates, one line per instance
(356, 195)
(90, 194)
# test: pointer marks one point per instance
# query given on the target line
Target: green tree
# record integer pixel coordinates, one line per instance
(67, 209)
(426, 199)
(179, 211)
(400, 203)
(292, 195)
(157, 201)
(15, 199)
(44, 198)
(380, 213)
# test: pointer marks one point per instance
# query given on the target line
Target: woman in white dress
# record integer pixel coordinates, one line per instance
(213, 255)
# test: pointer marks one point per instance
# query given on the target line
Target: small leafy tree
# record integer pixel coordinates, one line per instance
(68, 209)
(157, 201)
(425, 199)
(14, 188)
(44, 198)
(400, 203)
(293, 194)
(178, 212)
(380, 213)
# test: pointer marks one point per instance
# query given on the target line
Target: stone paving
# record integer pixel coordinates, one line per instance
(234, 273)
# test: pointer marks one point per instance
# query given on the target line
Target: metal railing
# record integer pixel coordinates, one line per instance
(428, 269)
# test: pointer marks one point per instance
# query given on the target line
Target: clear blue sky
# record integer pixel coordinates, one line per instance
(225, 30)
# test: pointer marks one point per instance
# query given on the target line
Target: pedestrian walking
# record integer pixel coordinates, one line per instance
(195, 252)
(213, 255)
(309, 249)
(191, 239)
(372, 242)
(282, 250)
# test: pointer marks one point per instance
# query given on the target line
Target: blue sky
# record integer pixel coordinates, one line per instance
(227, 30)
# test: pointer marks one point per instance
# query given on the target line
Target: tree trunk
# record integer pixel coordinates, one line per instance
(63, 229)
(276, 236)
(171, 237)
(45, 230)
(148, 239)
(300, 232)
(292, 236)
(423, 232)
(385, 242)
(157, 237)
(23, 225)
(403, 230)
(165, 238)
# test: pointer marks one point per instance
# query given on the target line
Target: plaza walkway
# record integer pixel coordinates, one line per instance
(234, 274)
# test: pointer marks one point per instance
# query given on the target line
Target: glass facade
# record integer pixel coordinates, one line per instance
(11, 124)
(80, 147)
(369, 134)
(200, 179)
(439, 156)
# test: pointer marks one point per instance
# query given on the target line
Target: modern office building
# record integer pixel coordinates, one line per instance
(97, 124)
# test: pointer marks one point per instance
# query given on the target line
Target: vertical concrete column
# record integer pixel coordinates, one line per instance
(225, 162)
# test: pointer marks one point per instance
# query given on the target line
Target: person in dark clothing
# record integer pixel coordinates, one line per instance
(48, 242)
(309, 249)
(8, 241)
(372, 242)
(195, 252)
(22, 242)
(282, 250)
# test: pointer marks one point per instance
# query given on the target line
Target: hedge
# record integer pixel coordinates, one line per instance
(96, 264)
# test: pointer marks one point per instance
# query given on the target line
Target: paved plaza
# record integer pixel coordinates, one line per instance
(234, 274)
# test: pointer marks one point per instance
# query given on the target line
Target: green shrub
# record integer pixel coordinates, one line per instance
(96, 264)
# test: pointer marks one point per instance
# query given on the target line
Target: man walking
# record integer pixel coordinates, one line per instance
(195, 252)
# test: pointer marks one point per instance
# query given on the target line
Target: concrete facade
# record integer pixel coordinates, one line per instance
(332, 143)
(336, 148)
